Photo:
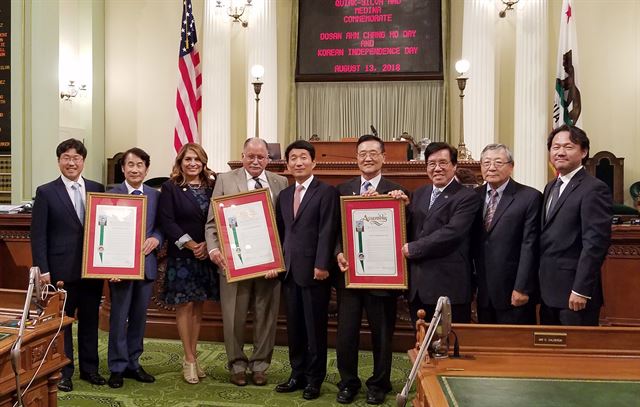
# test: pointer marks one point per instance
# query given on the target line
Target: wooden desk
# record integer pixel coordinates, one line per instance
(15, 250)
(346, 150)
(43, 390)
(509, 351)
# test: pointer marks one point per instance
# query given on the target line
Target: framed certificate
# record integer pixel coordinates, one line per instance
(114, 234)
(248, 234)
(373, 233)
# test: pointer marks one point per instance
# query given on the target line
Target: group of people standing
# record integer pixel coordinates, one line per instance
(507, 242)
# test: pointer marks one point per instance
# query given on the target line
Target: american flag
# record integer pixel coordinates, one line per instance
(188, 97)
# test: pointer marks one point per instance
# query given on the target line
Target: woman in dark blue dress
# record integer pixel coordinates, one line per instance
(191, 277)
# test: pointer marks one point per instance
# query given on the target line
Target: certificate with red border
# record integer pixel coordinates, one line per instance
(114, 234)
(248, 234)
(373, 233)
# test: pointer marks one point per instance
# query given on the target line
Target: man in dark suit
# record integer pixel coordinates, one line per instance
(380, 305)
(306, 214)
(130, 298)
(505, 243)
(440, 219)
(57, 235)
(575, 236)
(262, 295)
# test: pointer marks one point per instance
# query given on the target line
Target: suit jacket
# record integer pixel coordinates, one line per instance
(351, 188)
(574, 240)
(439, 248)
(179, 213)
(506, 256)
(308, 241)
(150, 260)
(57, 235)
(235, 182)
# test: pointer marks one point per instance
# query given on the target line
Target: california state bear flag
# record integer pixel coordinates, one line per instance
(567, 105)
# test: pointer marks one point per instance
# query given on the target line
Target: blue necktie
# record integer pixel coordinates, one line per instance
(78, 204)
(136, 192)
(434, 195)
(365, 187)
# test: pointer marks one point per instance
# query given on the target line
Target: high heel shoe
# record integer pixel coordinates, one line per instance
(200, 371)
(189, 372)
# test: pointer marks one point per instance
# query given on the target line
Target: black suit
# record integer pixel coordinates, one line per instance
(57, 237)
(380, 306)
(439, 249)
(574, 241)
(506, 255)
(308, 242)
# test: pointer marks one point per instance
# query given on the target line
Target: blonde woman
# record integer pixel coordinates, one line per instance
(191, 277)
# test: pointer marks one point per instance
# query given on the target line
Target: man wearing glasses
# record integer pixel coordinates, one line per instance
(505, 243)
(57, 235)
(262, 295)
(380, 305)
(440, 220)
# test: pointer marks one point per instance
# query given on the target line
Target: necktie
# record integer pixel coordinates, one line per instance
(491, 208)
(555, 194)
(258, 184)
(297, 199)
(365, 187)
(136, 192)
(78, 204)
(434, 195)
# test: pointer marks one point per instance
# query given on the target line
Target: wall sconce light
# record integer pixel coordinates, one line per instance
(71, 91)
(257, 72)
(462, 66)
(508, 5)
(234, 11)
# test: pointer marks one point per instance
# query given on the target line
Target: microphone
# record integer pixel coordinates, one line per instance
(441, 345)
(374, 131)
(445, 322)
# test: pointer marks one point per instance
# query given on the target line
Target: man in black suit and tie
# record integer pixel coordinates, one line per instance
(130, 298)
(505, 243)
(576, 232)
(380, 305)
(440, 219)
(306, 214)
(57, 235)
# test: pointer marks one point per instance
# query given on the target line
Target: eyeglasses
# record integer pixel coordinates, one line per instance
(76, 159)
(252, 157)
(433, 164)
(372, 154)
(497, 163)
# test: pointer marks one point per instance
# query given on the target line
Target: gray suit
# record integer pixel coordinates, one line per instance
(235, 298)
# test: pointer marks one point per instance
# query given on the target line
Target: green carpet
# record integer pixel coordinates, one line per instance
(163, 359)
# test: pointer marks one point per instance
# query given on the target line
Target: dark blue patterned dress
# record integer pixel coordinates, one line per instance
(189, 279)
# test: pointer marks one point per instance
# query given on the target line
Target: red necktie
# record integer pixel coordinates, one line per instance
(297, 199)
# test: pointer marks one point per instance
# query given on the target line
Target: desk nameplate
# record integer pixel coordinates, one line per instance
(552, 339)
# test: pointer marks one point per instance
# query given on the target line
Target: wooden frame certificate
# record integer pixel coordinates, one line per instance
(114, 234)
(248, 235)
(373, 233)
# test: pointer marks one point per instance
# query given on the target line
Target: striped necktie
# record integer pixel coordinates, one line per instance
(434, 195)
(365, 187)
(491, 208)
